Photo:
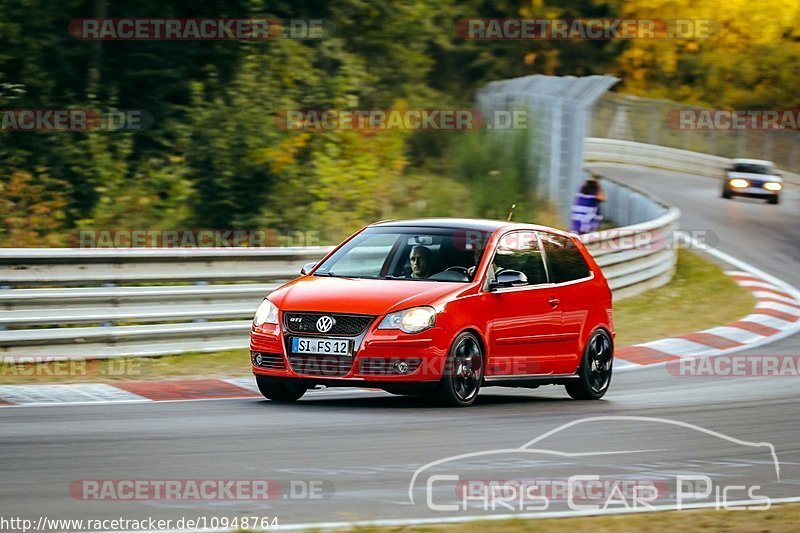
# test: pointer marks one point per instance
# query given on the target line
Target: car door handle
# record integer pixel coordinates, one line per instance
(554, 302)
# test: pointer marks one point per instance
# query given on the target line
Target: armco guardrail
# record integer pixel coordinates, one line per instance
(642, 254)
(47, 309)
(598, 150)
(68, 266)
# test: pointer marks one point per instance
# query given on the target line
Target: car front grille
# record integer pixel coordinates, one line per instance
(343, 324)
(321, 365)
(269, 361)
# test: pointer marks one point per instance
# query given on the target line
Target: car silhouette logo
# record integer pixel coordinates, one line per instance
(325, 323)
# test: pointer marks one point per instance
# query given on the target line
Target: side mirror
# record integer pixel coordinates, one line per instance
(308, 267)
(508, 278)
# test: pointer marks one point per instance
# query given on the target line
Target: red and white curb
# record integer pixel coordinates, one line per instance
(148, 391)
(776, 316)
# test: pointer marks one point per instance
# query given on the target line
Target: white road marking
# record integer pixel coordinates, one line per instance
(761, 294)
(735, 334)
(247, 383)
(757, 285)
(769, 321)
(678, 346)
(788, 309)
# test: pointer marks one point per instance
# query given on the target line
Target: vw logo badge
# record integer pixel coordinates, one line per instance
(325, 323)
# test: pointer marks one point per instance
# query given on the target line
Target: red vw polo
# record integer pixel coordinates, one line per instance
(441, 307)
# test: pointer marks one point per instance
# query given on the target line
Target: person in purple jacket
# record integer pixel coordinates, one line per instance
(585, 216)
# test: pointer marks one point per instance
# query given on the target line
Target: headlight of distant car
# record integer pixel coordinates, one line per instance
(773, 186)
(266, 313)
(411, 320)
(739, 183)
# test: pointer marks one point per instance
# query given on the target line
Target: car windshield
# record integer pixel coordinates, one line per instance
(408, 253)
(751, 168)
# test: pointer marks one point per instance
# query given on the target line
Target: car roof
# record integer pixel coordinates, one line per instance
(479, 224)
(742, 161)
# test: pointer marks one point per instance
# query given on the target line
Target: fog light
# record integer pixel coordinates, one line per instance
(401, 367)
(773, 186)
(739, 183)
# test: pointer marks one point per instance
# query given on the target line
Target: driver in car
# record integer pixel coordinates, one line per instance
(421, 259)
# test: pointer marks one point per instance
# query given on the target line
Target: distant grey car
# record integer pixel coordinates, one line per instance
(753, 178)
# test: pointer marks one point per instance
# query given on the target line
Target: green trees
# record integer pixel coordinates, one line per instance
(214, 156)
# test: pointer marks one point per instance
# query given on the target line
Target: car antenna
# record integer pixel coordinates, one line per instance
(511, 213)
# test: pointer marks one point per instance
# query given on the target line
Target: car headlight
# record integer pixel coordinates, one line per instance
(739, 183)
(773, 186)
(266, 313)
(411, 320)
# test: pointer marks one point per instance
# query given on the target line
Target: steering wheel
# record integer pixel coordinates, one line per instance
(461, 269)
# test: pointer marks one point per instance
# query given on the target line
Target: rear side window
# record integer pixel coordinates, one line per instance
(564, 261)
(520, 251)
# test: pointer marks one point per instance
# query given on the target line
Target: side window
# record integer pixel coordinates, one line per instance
(520, 251)
(564, 260)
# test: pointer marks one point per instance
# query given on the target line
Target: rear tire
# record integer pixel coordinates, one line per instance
(594, 373)
(463, 372)
(278, 391)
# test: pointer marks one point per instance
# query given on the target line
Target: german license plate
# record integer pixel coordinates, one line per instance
(321, 346)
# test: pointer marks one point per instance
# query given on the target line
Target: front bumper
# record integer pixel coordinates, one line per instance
(753, 192)
(380, 357)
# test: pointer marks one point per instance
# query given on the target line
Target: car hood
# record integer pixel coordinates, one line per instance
(359, 296)
(754, 177)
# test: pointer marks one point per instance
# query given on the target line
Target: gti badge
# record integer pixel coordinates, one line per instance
(325, 323)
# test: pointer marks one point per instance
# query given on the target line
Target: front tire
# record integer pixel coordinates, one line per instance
(279, 392)
(594, 373)
(726, 192)
(463, 372)
(775, 200)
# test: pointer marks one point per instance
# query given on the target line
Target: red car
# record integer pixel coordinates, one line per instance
(440, 307)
